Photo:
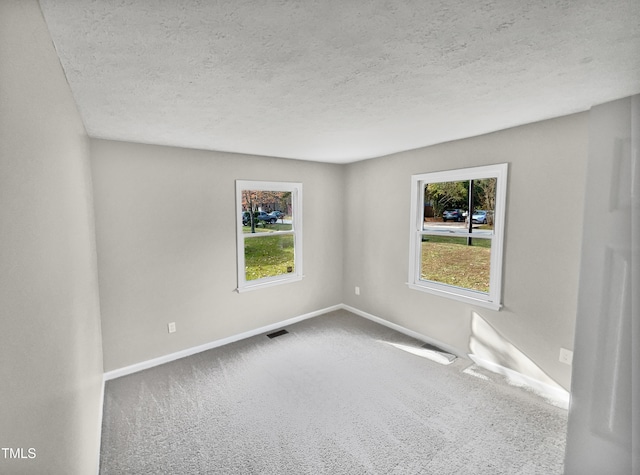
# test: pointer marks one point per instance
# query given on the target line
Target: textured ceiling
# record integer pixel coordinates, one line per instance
(338, 80)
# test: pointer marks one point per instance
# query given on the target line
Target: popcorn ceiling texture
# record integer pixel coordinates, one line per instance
(337, 395)
(333, 80)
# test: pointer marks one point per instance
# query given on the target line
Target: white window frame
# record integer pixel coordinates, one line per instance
(296, 230)
(491, 299)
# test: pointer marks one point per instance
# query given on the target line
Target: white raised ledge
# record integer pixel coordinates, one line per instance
(457, 296)
(269, 283)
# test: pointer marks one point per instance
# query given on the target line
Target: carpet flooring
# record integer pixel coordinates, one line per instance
(337, 394)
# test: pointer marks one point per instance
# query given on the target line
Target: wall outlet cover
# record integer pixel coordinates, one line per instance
(566, 356)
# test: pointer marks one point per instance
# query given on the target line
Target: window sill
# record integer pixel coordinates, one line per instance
(269, 283)
(455, 296)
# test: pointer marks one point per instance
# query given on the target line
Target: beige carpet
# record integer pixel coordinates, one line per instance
(338, 394)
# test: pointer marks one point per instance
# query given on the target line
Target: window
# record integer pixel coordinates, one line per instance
(269, 233)
(457, 229)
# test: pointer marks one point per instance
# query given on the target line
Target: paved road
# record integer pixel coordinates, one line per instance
(451, 226)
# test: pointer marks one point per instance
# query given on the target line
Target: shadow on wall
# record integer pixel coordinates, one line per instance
(492, 351)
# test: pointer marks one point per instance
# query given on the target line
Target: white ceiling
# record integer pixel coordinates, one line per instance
(338, 80)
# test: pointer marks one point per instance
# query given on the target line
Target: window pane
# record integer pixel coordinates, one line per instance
(484, 203)
(268, 256)
(266, 211)
(451, 261)
(446, 205)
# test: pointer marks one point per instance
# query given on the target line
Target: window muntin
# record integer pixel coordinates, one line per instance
(269, 232)
(456, 242)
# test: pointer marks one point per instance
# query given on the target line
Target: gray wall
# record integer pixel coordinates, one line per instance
(165, 223)
(542, 245)
(50, 346)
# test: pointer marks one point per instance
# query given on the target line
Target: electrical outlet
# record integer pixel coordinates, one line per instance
(566, 356)
(357, 290)
(172, 327)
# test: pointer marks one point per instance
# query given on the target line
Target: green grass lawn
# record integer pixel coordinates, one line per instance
(448, 260)
(268, 256)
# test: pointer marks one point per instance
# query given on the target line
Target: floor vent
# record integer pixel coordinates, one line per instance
(278, 333)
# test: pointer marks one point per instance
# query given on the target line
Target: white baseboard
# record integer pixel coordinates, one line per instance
(405, 331)
(556, 395)
(134, 368)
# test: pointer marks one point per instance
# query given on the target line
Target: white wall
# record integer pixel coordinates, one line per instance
(50, 347)
(604, 429)
(542, 245)
(165, 223)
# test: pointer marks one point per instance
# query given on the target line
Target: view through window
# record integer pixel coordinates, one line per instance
(269, 233)
(457, 233)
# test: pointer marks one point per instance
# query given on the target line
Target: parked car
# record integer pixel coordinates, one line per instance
(260, 216)
(453, 215)
(480, 216)
(277, 214)
(267, 218)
